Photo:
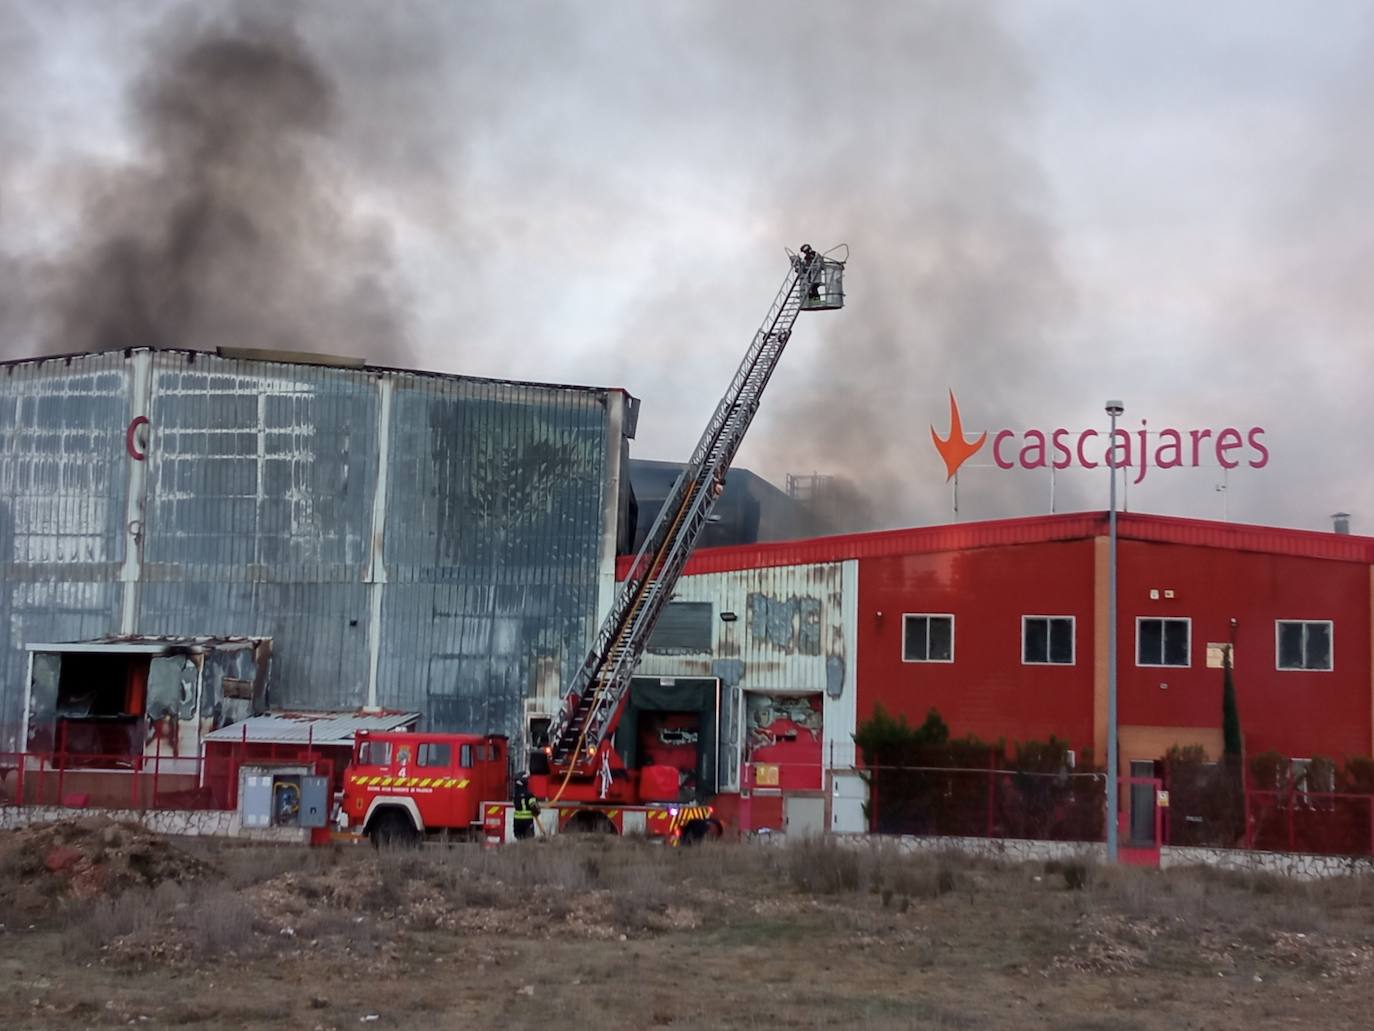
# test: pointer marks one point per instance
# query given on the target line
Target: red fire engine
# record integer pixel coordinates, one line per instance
(402, 785)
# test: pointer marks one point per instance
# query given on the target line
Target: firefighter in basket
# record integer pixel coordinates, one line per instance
(526, 809)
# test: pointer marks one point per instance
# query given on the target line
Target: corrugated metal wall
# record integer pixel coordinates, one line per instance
(794, 631)
(62, 495)
(259, 510)
(478, 564)
(492, 546)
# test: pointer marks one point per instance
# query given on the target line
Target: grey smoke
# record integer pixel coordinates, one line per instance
(1287, 334)
(955, 274)
(905, 133)
(16, 48)
(600, 193)
(232, 225)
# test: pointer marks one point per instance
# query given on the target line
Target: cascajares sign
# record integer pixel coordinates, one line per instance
(1140, 449)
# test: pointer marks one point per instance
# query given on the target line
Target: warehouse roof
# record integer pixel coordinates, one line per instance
(317, 728)
(151, 644)
(248, 354)
(1131, 526)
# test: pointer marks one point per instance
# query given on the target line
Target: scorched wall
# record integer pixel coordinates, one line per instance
(423, 542)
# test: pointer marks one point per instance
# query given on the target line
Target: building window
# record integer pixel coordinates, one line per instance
(683, 628)
(927, 638)
(1047, 640)
(1303, 644)
(1162, 642)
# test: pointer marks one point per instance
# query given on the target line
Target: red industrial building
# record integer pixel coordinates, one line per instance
(1002, 627)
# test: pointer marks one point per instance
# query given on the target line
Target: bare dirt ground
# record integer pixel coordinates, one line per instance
(107, 926)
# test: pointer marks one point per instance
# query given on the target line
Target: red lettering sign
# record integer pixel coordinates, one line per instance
(1128, 449)
(138, 450)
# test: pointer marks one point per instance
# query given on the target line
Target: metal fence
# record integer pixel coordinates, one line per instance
(1326, 823)
(1210, 807)
(986, 803)
(81, 780)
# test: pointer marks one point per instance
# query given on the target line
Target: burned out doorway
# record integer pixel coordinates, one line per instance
(783, 735)
(673, 721)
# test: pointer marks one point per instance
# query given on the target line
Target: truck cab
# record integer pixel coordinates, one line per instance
(401, 786)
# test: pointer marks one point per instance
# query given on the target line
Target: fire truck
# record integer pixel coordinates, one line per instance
(402, 786)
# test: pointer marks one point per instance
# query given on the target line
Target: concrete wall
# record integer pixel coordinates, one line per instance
(192, 823)
(1287, 864)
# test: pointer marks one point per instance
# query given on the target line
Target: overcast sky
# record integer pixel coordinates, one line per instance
(1048, 203)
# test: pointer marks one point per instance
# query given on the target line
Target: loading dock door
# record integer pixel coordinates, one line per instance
(653, 697)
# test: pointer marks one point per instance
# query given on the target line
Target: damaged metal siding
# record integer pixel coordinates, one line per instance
(62, 495)
(258, 513)
(493, 549)
(794, 632)
(429, 542)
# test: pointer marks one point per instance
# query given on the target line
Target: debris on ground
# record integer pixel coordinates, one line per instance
(88, 858)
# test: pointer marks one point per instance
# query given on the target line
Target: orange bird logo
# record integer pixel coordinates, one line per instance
(954, 449)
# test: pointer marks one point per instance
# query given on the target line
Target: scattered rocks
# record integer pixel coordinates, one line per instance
(1106, 944)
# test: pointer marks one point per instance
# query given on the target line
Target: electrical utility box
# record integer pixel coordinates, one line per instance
(284, 800)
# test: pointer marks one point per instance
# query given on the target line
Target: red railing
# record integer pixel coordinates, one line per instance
(120, 781)
(962, 802)
(1324, 823)
(986, 803)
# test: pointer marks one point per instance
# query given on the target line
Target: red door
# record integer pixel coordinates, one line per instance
(1140, 821)
(437, 799)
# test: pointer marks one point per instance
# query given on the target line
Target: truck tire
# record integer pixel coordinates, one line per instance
(697, 831)
(392, 828)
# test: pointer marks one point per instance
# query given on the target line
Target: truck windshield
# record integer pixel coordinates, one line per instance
(374, 753)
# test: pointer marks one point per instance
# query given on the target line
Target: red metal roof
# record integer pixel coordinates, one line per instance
(1202, 533)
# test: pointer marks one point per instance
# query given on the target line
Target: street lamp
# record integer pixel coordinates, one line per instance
(1114, 409)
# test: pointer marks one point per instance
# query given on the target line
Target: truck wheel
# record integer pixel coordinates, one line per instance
(393, 829)
(697, 831)
(694, 832)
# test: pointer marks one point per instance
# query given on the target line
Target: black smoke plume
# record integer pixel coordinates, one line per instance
(234, 225)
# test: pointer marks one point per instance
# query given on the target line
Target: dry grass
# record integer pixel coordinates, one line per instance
(244, 866)
(826, 867)
(1254, 905)
(206, 919)
(808, 934)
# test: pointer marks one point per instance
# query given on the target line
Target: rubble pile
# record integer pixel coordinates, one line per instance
(89, 858)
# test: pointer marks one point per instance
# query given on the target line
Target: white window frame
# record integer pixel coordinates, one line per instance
(1331, 636)
(1164, 665)
(953, 628)
(1073, 641)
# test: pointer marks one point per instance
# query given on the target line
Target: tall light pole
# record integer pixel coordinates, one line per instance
(1114, 409)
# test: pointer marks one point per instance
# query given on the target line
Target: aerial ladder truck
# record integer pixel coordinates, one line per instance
(586, 782)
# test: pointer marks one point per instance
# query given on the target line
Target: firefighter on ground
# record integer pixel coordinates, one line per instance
(526, 809)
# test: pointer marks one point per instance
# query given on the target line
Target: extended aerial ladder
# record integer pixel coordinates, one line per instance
(580, 749)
